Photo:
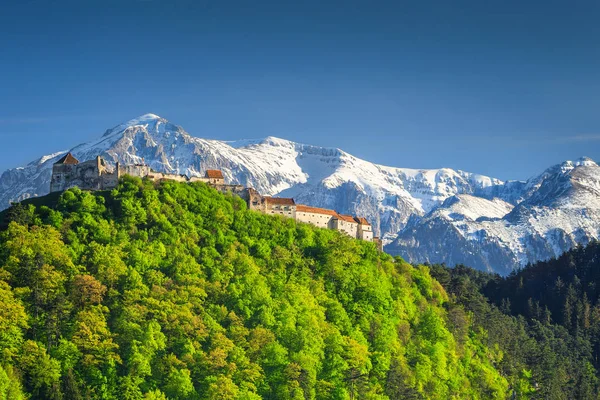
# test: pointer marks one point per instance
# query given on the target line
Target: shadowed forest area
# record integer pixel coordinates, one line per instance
(545, 319)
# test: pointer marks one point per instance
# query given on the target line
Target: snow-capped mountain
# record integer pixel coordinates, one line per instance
(425, 215)
(536, 220)
(312, 175)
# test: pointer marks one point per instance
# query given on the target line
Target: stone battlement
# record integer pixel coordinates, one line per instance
(98, 175)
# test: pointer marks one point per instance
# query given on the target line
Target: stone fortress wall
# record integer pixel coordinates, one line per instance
(91, 175)
(98, 175)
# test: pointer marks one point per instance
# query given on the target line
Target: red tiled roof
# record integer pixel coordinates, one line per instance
(214, 174)
(362, 221)
(282, 201)
(68, 159)
(347, 218)
(315, 210)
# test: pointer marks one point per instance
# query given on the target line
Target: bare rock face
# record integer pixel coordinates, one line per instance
(438, 215)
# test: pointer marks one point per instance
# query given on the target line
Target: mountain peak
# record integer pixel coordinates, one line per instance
(275, 141)
(586, 162)
(567, 166)
(143, 119)
(550, 213)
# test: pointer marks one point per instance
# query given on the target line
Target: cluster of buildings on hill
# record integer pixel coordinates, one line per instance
(356, 227)
(96, 174)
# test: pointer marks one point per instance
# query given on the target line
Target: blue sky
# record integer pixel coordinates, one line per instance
(503, 88)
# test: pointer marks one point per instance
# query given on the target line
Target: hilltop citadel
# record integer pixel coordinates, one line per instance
(97, 174)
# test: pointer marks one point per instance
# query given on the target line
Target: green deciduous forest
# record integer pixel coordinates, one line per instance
(175, 291)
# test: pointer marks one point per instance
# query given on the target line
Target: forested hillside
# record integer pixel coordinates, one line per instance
(564, 290)
(175, 291)
(545, 319)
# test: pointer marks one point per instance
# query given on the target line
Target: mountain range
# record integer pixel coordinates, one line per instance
(434, 215)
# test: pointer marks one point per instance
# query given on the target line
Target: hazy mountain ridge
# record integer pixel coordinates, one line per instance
(438, 215)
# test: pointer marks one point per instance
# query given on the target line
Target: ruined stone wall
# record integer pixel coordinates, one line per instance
(254, 200)
(84, 175)
(98, 175)
(157, 176)
(144, 171)
(379, 243)
(237, 190)
(62, 175)
(198, 179)
(137, 170)
(286, 211)
(110, 180)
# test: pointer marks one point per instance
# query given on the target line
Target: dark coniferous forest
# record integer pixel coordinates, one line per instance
(545, 318)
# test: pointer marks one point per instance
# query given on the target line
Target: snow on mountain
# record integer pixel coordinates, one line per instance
(436, 215)
(312, 175)
(556, 210)
(472, 208)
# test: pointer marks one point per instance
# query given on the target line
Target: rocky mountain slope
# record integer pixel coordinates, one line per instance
(536, 220)
(425, 215)
(312, 175)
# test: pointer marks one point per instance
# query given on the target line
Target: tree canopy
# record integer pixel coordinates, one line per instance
(175, 291)
(545, 319)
